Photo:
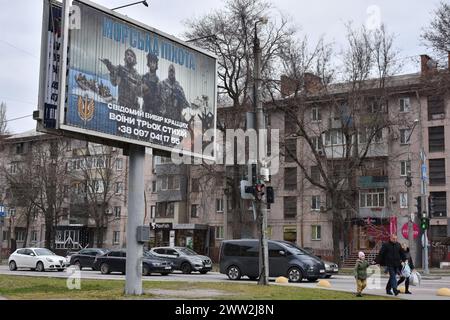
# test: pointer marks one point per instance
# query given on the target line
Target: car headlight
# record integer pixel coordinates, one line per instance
(49, 259)
(327, 266)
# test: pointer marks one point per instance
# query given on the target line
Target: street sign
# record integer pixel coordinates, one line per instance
(424, 171)
(405, 232)
(2, 210)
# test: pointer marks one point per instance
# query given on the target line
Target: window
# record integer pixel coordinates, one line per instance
(373, 134)
(290, 150)
(13, 167)
(152, 211)
(378, 105)
(12, 212)
(372, 198)
(436, 139)
(290, 178)
(316, 143)
(315, 173)
(290, 207)
(194, 211)
(315, 203)
(34, 236)
(405, 104)
(118, 187)
(405, 167)
(334, 137)
(170, 183)
(404, 136)
(438, 204)
(403, 200)
(19, 148)
(20, 235)
(117, 211)
(315, 115)
(219, 205)
(437, 171)
(154, 187)
(219, 232)
(119, 164)
(195, 185)
(97, 186)
(165, 209)
(290, 233)
(290, 124)
(436, 107)
(316, 232)
(438, 232)
(229, 203)
(116, 237)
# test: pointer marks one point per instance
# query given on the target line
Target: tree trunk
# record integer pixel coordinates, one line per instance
(49, 233)
(336, 228)
(99, 232)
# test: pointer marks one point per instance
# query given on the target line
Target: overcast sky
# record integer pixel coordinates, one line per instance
(20, 33)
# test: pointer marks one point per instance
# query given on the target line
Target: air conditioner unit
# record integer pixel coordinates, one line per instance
(392, 198)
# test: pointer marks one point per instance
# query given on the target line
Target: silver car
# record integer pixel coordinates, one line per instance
(184, 259)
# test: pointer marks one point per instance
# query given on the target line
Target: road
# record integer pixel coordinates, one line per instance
(426, 291)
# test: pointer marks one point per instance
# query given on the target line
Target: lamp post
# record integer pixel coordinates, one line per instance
(132, 4)
(260, 126)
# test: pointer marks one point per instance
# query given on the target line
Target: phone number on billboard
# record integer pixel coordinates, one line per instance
(145, 134)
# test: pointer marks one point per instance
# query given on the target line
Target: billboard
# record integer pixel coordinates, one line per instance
(124, 81)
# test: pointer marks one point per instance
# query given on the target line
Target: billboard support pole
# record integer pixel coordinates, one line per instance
(136, 207)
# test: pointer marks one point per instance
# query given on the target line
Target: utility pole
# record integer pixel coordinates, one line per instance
(409, 198)
(136, 208)
(262, 140)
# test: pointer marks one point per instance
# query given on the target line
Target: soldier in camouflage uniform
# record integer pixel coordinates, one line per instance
(173, 98)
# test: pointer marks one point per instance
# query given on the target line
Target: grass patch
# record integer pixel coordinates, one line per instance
(22, 287)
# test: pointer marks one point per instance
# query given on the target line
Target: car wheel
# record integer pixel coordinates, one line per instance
(295, 275)
(203, 272)
(12, 266)
(145, 270)
(104, 268)
(234, 273)
(186, 268)
(312, 279)
(78, 265)
(328, 276)
(164, 273)
(40, 267)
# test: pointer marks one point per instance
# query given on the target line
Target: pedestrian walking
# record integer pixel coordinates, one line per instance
(408, 268)
(391, 256)
(361, 273)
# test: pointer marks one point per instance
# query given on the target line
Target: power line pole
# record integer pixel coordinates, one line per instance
(260, 127)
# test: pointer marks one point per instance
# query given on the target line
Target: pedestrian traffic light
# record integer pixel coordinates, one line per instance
(419, 206)
(431, 205)
(424, 223)
(270, 195)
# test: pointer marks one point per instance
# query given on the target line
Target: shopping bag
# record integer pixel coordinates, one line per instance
(415, 278)
(406, 271)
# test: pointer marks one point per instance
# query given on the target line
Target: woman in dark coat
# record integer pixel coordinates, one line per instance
(407, 256)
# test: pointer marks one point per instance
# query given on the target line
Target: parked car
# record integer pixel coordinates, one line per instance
(184, 259)
(115, 261)
(39, 259)
(331, 268)
(85, 257)
(241, 258)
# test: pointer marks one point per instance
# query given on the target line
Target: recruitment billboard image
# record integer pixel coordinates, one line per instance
(133, 83)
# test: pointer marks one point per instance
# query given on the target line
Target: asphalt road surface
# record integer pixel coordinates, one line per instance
(426, 291)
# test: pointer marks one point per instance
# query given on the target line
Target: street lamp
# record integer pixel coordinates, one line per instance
(132, 4)
(260, 125)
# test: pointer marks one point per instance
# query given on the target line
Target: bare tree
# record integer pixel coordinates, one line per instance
(437, 35)
(229, 34)
(3, 122)
(95, 177)
(352, 117)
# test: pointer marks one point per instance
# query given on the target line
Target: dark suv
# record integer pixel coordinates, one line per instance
(184, 259)
(240, 258)
(85, 257)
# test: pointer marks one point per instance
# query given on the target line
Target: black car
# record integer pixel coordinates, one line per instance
(184, 259)
(240, 258)
(85, 257)
(115, 261)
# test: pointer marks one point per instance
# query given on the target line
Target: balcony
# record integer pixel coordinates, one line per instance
(373, 182)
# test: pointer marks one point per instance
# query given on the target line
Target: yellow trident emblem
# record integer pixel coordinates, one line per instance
(86, 108)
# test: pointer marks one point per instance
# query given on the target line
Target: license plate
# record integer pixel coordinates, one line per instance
(167, 267)
(336, 270)
(207, 265)
(322, 271)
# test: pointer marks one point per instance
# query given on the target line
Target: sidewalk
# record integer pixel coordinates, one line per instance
(435, 273)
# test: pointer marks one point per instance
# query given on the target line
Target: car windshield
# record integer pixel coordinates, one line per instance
(188, 252)
(44, 252)
(149, 254)
(295, 250)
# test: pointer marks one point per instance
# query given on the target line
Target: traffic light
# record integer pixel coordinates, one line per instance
(431, 206)
(419, 206)
(270, 195)
(424, 223)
